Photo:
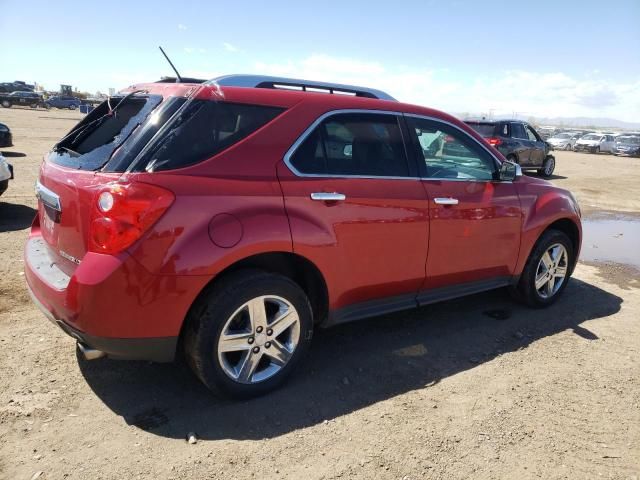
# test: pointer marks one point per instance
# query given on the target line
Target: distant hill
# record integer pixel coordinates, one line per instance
(588, 122)
(569, 121)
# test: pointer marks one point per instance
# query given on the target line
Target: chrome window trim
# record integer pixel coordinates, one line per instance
(320, 119)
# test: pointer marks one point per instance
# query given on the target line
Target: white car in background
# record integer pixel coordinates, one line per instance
(6, 174)
(595, 143)
(563, 141)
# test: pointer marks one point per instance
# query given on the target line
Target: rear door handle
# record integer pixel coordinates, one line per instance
(328, 197)
(446, 201)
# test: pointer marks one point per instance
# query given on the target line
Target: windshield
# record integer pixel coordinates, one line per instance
(631, 140)
(591, 137)
(90, 144)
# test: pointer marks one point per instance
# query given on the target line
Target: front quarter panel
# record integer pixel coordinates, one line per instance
(542, 204)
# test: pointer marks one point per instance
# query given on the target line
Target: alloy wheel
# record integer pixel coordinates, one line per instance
(258, 339)
(549, 167)
(552, 270)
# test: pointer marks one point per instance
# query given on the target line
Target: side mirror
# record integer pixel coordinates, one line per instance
(509, 171)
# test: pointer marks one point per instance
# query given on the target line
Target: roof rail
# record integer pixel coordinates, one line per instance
(262, 81)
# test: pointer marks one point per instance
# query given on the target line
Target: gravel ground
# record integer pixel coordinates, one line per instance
(477, 387)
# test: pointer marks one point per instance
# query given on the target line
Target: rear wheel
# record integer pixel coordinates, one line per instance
(248, 333)
(548, 166)
(547, 270)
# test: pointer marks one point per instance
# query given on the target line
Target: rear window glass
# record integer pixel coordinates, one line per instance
(90, 144)
(484, 129)
(203, 129)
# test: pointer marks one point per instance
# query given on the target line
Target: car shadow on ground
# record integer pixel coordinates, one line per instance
(348, 368)
(15, 217)
(13, 154)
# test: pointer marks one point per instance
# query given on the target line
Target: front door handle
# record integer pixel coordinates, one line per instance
(328, 197)
(446, 201)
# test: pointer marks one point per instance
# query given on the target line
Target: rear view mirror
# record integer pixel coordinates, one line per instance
(509, 171)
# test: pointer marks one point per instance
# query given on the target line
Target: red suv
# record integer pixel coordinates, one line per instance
(228, 219)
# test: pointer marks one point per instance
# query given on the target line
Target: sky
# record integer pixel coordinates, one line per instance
(534, 59)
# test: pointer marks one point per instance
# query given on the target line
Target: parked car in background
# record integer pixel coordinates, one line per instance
(6, 174)
(6, 140)
(594, 143)
(627, 145)
(251, 214)
(564, 140)
(547, 132)
(64, 101)
(518, 142)
(22, 99)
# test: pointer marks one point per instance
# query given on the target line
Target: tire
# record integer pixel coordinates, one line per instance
(72, 107)
(6, 104)
(526, 291)
(548, 167)
(568, 147)
(224, 311)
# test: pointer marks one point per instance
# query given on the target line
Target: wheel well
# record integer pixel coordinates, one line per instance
(570, 229)
(295, 267)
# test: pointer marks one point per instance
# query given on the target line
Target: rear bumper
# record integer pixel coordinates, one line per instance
(152, 349)
(111, 304)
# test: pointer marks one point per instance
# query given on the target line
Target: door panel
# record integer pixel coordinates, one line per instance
(477, 239)
(474, 220)
(369, 238)
(538, 150)
(371, 245)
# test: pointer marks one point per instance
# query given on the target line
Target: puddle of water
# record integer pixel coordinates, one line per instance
(614, 240)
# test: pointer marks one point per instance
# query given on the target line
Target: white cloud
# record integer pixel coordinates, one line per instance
(504, 92)
(230, 48)
(189, 49)
(182, 26)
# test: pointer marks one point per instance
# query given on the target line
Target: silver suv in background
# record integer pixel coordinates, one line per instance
(595, 143)
(564, 140)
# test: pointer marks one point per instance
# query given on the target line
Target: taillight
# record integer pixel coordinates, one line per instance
(494, 141)
(123, 212)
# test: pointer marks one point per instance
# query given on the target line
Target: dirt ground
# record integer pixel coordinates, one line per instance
(478, 387)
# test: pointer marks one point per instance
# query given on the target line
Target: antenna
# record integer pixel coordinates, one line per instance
(178, 77)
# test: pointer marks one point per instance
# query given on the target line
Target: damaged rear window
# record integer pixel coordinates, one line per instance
(91, 143)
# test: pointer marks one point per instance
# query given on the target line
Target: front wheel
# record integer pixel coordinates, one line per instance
(246, 335)
(548, 166)
(547, 270)
(6, 104)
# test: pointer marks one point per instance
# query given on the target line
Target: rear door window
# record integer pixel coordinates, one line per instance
(517, 131)
(203, 129)
(354, 144)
